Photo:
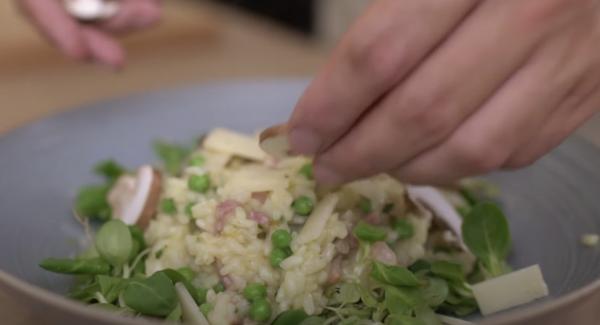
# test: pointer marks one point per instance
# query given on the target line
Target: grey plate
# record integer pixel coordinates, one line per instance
(550, 204)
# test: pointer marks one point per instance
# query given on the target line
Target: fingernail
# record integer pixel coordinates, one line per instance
(327, 175)
(304, 142)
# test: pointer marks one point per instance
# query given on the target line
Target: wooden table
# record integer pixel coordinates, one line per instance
(196, 42)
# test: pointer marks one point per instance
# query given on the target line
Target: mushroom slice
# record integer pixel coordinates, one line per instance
(134, 199)
(274, 141)
(435, 201)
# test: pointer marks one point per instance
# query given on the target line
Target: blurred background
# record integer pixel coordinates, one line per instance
(197, 41)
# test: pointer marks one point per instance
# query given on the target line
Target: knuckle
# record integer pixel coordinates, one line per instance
(372, 54)
(426, 112)
(539, 13)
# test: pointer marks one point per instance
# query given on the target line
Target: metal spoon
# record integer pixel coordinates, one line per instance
(91, 10)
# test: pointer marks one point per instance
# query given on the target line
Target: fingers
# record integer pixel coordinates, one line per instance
(437, 97)
(530, 101)
(53, 22)
(103, 48)
(134, 15)
(379, 51)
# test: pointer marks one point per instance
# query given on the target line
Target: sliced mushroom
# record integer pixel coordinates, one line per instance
(134, 199)
(435, 201)
(274, 141)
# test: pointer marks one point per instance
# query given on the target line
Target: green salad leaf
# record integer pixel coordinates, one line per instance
(155, 296)
(91, 202)
(435, 292)
(172, 156)
(110, 170)
(448, 270)
(114, 242)
(486, 233)
(90, 266)
(111, 287)
(393, 275)
(291, 317)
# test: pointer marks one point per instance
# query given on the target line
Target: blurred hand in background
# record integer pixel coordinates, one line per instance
(90, 42)
(431, 91)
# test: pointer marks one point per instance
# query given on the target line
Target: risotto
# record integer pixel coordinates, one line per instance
(225, 234)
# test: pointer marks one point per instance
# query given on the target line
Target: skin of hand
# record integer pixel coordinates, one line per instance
(90, 42)
(430, 91)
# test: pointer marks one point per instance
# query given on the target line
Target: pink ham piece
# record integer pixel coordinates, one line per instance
(381, 252)
(335, 271)
(374, 219)
(260, 217)
(261, 196)
(224, 211)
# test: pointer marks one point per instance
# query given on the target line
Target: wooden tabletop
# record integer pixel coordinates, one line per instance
(196, 42)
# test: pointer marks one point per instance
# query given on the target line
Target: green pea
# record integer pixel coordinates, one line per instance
(404, 228)
(260, 310)
(219, 287)
(206, 308)
(303, 205)
(167, 206)
(281, 238)
(201, 295)
(306, 171)
(369, 233)
(278, 255)
(187, 273)
(199, 184)
(197, 160)
(188, 210)
(255, 291)
(365, 205)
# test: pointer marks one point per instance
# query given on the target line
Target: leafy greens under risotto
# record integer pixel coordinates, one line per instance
(225, 234)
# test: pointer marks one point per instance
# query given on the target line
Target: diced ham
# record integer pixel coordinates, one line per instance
(260, 217)
(227, 281)
(374, 219)
(224, 212)
(335, 271)
(381, 252)
(261, 196)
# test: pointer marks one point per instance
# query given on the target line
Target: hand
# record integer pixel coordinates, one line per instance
(434, 90)
(93, 42)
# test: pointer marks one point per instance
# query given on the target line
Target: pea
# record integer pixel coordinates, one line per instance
(199, 184)
(187, 273)
(365, 205)
(281, 238)
(197, 160)
(306, 171)
(201, 294)
(188, 210)
(303, 205)
(369, 233)
(260, 310)
(278, 255)
(168, 206)
(206, 308)
(255, 291)
(404, 229)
